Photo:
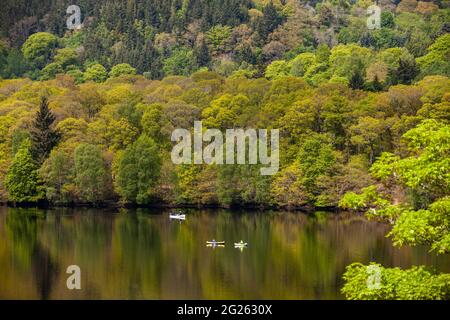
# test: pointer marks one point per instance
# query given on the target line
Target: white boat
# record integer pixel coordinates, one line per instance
(177, 216)
(240, 244)
(215, 243)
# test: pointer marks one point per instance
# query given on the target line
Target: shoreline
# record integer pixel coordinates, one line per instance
(118, 205)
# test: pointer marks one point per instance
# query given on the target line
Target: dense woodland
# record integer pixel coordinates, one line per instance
(86, 116)
(178, 37)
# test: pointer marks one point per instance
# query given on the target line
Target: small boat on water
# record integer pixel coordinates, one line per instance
(240, 244)
(215, 243)
(177, 216)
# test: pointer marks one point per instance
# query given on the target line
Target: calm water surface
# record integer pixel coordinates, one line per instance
(141, 254)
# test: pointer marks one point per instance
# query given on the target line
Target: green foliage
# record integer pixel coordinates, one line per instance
(15, 65)
(277, 69)
(356, 80)
(369, 197)
(203, 55)
(51, 70)
(383, 168)
(367, 133)
(77, 75)
(75, 39)
(18, 137)
(90, 99)
(416, 283)
(226, 37)
(224, 111)
(242, 183)
(3, 54)
(39, 48)
(121, 69)
(316, 160)
(406, 71)
(353, 201)
(90, 173)
(66, 57)
(387, 19)
(269, 21)
(335, 122)
(425, 173)
(345, 60)
(436, 61)
(429, 169)
(96, 73)
(187, 179)
(22, 179)
(287, 188)
(258, 53)
(425, 227)
(386, 38)
(392, 56)
(138, 171)
(182, 62)
(43, 136)
(57, 176)
(301, 63)
(152, 122)
(218, 38)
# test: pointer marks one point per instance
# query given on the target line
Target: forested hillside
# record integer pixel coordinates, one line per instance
(110, 94)
(86, 116)
(178, 37)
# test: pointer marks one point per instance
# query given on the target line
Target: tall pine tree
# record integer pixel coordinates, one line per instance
(43, 137)
(357, 80)
(407, 70)
(270, 20)
(202, 54)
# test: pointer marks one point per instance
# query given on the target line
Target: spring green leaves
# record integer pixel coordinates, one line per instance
(423, 217)
(416, 283)
(22, 178)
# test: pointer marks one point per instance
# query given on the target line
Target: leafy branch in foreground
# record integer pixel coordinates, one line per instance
(416, 283)
(425, 227)
(424, 216)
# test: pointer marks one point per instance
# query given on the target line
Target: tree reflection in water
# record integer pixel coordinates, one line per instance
(136, 254)
(28, 251)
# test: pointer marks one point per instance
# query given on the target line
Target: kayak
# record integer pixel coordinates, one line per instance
(177, 216)
(240, 244)
(215, 243)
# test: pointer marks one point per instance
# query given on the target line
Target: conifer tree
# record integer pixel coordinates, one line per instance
(43, 137)
(407, 70)
(375, 85)
(203, 56)
(357, 80)
(269, 21)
